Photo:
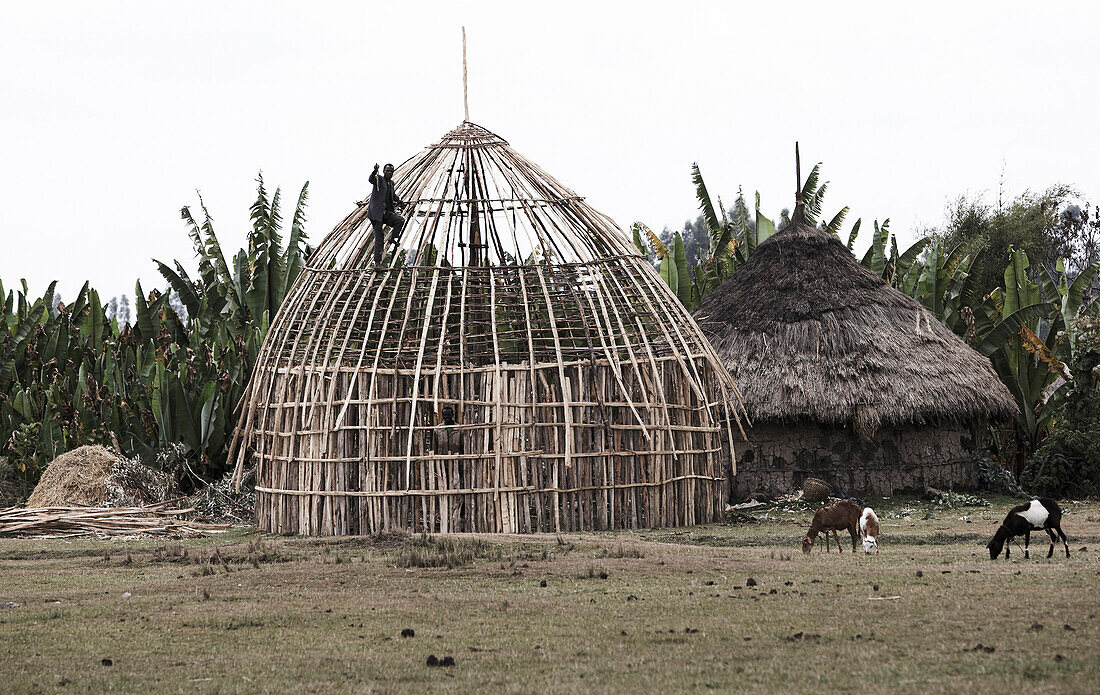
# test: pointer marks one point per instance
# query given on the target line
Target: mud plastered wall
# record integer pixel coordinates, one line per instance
(778, 457)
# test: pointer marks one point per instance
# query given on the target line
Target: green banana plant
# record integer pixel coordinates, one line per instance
(1068, 296)
(733, 238)
(260, 276)
(875, 258)
(1022, 329)
(69, 374)
(636, 231)
(765, 228)
(683, 279)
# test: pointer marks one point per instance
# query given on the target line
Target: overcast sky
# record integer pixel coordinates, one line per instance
(112, 114)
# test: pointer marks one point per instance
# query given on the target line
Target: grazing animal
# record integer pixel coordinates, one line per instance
(838, 516)
(1037, 515)
(868, 528)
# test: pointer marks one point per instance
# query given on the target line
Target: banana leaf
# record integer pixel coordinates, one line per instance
(1019, 290)
(854, 234)
(683, 280)
(668, 271)
(638, 243)
(1010, 325)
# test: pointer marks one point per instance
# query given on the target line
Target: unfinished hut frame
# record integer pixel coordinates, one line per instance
(584, 395)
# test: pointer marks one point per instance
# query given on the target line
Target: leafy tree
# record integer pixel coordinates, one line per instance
(122, 313)
(1076, 238)
(1032, 223)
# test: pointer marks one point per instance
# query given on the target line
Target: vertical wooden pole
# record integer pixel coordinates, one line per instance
(465, 92)
(797, 174)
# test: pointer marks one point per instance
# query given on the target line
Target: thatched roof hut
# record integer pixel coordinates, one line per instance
(843, 376)
(515, 365)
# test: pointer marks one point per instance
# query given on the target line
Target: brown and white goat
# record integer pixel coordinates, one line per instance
(837, 516)
(868, 528)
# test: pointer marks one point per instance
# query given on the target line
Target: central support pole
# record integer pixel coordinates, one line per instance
(799, 207)
(465, 93)
(797, 174)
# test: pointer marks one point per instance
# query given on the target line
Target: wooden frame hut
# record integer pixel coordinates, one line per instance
(845, 378)
(515, 366)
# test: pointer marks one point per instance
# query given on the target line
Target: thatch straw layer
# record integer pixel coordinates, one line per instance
(810, 334)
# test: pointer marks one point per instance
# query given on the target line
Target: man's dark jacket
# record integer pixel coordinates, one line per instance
(382, 198)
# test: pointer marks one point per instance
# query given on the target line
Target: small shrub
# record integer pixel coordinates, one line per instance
(170, 553)
(564, 545)
(13, 488)
(995, 478)
(25, 446)
(1067, 465)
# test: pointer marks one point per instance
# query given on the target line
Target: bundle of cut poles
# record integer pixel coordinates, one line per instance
(103, 522)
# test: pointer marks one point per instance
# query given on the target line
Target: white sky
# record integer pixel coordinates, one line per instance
(113, 113)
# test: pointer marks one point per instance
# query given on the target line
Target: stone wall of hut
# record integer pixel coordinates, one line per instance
(778, 457)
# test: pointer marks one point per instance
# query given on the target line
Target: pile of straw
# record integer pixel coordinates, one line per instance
(96, 477)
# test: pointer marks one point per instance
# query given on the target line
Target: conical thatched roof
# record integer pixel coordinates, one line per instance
(809, 333)
(515, 364)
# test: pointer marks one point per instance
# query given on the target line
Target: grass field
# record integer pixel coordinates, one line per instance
(711, 608)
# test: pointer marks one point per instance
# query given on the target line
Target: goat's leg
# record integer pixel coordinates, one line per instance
(1065, 541)
(854, 530)
(1008, 546)
(1027, 542)
(1053, 540)
(826, 534)
(836, 537)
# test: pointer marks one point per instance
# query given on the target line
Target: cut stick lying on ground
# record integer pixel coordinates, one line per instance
(104, 522)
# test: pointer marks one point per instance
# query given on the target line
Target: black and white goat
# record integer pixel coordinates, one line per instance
(1036, 515)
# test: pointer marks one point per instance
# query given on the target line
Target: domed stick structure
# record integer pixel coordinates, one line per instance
(515, 365)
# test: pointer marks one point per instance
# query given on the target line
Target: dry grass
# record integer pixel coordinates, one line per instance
(432, 551)
(676, 611)
(92, 476)
(77, 477)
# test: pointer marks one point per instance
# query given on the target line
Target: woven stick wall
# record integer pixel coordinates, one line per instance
(585, 396)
